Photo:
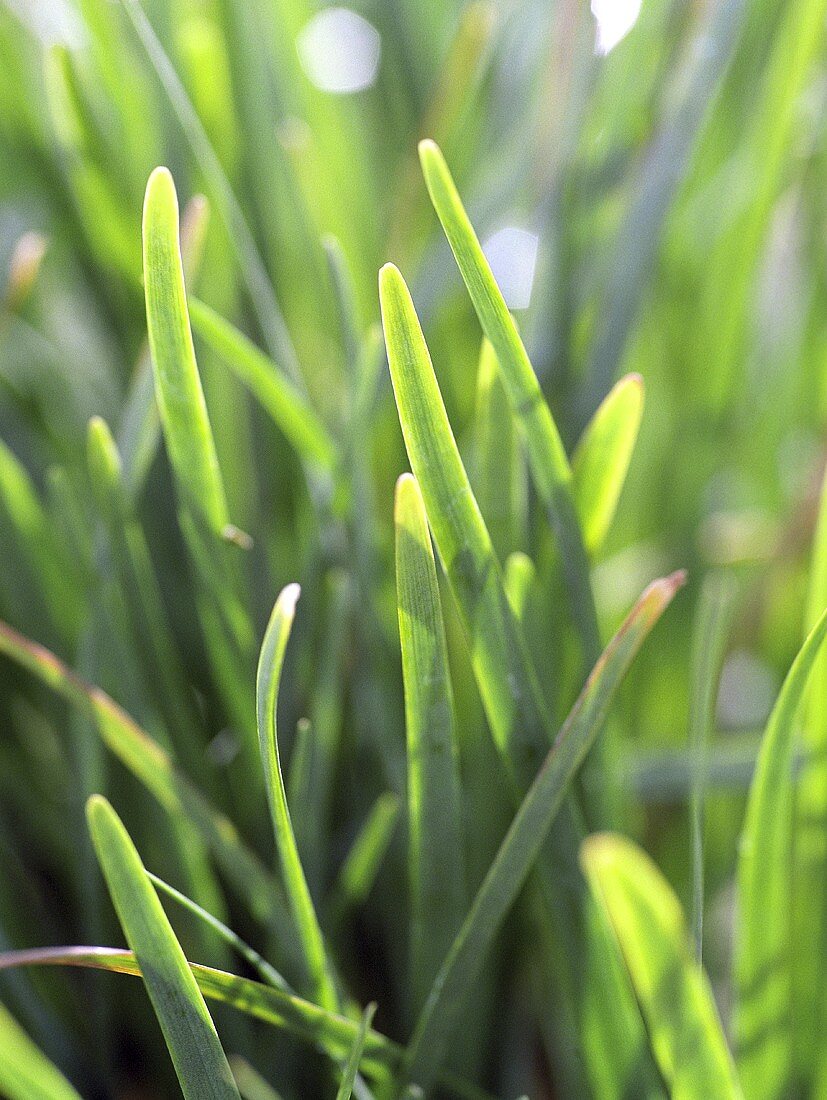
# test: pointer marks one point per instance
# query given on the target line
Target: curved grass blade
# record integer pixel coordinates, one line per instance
(25, 1072)
(673, 992)
(763, 946)
(525, 837)
(251, 1084)
(265, 971)
(810, 884)
(153, 768)
(345, 1090)
(333, 1034)
(267, 685)
(546, 455)
(436, 867)
(708, 644)
(192, 453)
(241, 239)
(289, 410)
(601, 459)
(520, 724)
(199, 1060)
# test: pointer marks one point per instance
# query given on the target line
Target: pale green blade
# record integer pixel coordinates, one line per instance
(25, 1072)
(674, 994)
(345, 1090)
(288, 408)
(364, 860)
(601, 459)
(763, 945)
(546, 454)
(435, 844)
(199, 1060)
(810, 884)
(251, 1084)
(526, 835)
(268, 677)
(187, 431)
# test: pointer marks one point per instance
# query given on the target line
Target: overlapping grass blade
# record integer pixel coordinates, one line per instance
(251, 1084)
(546, 455)
(435, 844)
(601, 459)
(763, 946)
(810, 883)
(268, 677)
(525, 836)
(673, 992)
(25, 1072)
(345, 1090)
(192, 454)
(288, 408)
(507, 682)
(334, 1034)
(154, 769)
(196, 1051)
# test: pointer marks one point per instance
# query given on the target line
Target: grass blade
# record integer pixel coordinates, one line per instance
(436, 866)
(345, 1090)
(601, 460)
(708, 645)
(546, 454)
(251, 1084)
(361, 866)
(25, 1072)
(192, 453)
(526, 834)
(288, 408)
(153, 768)
(673, 992)
(200, 1062)
(763, 945)
(810, 886)
(267, 685)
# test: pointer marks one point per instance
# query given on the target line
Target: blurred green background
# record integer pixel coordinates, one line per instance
(650, 183)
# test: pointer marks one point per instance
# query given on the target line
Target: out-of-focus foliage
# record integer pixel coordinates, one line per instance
(652, 213)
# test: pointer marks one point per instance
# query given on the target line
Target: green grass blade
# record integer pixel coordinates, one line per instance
(345, 1090)
(180, 397)
(525, 837)
(192, 454)
(25, 1072)
(763, 945)
(673, 992)
(546, 455)
(361, 866)
(498, 470)
(265, 971)
(288, 408)
(267, 685)
(601, 460)
(708, 645)
(436, 866)
(153, 768)
(810, 887)
(200, 1062)
(241, 239)
(251, 1084)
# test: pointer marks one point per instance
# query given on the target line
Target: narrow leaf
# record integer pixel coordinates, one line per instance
(436, 871)
(602, 457)
(673, 992)
(199, 1060)
(525, 837)
(345, 1090)
(267, 685)
(763, 947)
(25, 1072)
